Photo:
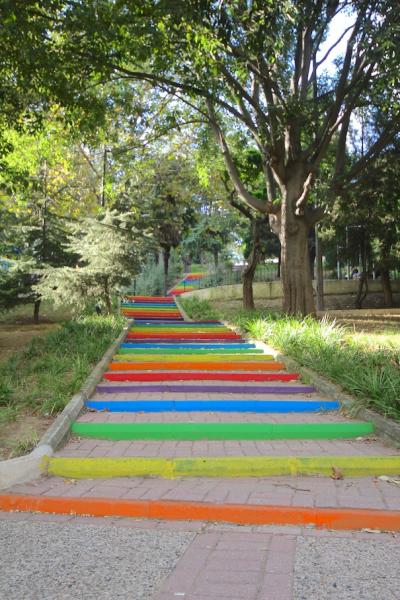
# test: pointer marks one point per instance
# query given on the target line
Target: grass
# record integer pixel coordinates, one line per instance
(198, 309)
(43, 377)
(24, 312)
(24, 445)
(365, 365)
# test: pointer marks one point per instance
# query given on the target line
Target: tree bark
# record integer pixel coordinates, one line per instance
(387, 288)
(298, 293)
(249, 271)
(361, 292)
(107, 296)
(166, 254)
(36, 309)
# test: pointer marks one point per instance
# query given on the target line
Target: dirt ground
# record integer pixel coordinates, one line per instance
(21, 436)
(17, 335)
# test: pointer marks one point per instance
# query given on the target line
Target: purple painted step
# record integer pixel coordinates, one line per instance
(213, 389)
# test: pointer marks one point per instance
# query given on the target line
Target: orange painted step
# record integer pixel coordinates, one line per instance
(176, 510)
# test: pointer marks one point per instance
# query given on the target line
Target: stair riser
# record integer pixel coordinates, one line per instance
(257, 406)
(223, 467)
(204, 389)
(195, 376)
(221, 431)
(195, 366)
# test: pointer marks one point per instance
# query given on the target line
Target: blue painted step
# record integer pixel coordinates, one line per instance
(257, 406)
(185, 345)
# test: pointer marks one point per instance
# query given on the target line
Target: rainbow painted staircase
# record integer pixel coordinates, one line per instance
(191, 421)
(187, 284)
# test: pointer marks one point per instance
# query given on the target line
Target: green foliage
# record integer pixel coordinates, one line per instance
(35, 71)
(108, 251)
(16, 285)
(150, 281)
(45, 375)
(37, 198)
(371, 375)
(198, 309)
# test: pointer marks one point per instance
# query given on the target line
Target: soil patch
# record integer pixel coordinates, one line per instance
(19, 437)
(17, 335)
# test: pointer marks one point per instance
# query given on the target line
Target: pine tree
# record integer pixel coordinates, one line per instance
(108, 253)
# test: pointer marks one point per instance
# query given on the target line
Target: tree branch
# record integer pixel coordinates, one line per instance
(175, 85)
(384, 139)
(245, 211)
(248, 198)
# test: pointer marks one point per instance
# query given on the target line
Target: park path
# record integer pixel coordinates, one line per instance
(194, 423)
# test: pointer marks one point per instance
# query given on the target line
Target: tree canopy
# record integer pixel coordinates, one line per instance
(276, 78)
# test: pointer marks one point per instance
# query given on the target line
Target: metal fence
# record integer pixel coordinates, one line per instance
(231, 277)
(264, 273)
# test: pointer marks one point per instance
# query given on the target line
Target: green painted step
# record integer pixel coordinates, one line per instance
(221, 431)
(201, 351)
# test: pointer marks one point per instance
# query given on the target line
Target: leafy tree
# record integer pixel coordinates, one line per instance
(370, 210)
(109, 253)
(212, 233)
(161, 187)
(41, 188)
(16, 284)
(35, 75)
(263, 65)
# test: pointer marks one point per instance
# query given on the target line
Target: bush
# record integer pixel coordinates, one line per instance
(150, 282)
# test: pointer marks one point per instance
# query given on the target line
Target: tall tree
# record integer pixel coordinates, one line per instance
(41, 187)
(107, 252)
(263, 65)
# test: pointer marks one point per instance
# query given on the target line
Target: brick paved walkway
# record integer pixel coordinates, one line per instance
(357, 492)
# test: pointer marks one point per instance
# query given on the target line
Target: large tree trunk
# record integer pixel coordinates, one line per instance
(386, 287)
(248, 277)
(107, 296)
(298, 294)
(166, 254)
(362, 290)
(249, 271)
(36, 309)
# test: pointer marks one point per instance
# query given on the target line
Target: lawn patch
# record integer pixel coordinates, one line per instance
(41, 379)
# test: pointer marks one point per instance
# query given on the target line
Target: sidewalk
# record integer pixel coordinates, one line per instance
(104, 558)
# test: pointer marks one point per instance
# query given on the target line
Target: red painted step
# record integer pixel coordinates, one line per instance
(187, 376)
(155, 314)
(159, 299)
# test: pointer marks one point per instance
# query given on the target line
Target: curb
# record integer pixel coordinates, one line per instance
(383, 426)
(332, 518)
(26, 468)
(180, 307)
(177, 283)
